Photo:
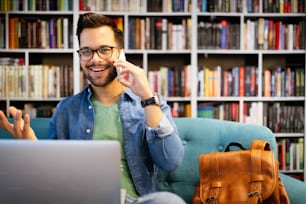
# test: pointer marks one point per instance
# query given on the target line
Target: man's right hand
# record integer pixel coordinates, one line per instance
(20, 129)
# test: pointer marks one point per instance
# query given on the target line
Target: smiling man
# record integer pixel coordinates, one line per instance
(109, 109)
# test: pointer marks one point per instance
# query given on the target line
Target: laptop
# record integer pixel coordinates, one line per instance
(59, 171)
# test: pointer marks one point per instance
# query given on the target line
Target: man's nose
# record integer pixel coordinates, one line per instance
(95, 55)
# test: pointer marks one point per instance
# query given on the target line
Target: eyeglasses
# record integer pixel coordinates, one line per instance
(103, 52)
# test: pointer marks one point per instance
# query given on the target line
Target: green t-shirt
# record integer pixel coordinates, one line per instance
(108, 127)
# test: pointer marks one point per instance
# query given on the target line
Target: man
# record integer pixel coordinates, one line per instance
(125, 110)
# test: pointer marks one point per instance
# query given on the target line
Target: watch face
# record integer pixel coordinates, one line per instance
(156, 98)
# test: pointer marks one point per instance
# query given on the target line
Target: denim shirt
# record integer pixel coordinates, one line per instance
(146, 149)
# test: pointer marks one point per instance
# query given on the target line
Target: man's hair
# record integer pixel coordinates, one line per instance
(93, 20)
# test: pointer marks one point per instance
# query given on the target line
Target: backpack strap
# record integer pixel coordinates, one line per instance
(261, 144)
(256, 177)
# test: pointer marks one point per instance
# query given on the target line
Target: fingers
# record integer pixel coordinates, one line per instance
(27, 130)
(12, 110)
(3, 120)
(18, 124)
(5, 124)
(21, 128)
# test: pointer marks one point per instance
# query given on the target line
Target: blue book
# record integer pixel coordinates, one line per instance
(204, 6)
(236, 80)
(223, 43)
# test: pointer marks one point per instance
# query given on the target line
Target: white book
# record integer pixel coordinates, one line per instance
(259, 115)
(164, 34)
(167, 6)
(116, 5)
(290, 37)
(43, 34)
(38, 81)
(65, 33)
(10, 80)
(292, 150)
(24, 76)
(147, 33)
(133, 5)
(45, 81)
(152, 81)
(143, 33)
(218, 80)
(233, 5)
(164, 81)
(57, 82)
(142, 6)
(51, 78)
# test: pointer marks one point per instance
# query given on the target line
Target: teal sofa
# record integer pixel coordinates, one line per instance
(200, 136)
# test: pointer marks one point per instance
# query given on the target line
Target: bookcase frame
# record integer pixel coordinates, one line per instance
(144, 57)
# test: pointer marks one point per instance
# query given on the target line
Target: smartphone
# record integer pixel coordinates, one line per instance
(118, 69)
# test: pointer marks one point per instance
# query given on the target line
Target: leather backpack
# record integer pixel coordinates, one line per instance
(243, 176)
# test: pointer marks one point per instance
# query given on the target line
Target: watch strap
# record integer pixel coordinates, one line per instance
(150, 101)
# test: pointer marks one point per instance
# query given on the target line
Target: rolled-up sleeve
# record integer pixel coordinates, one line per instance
(165, 145)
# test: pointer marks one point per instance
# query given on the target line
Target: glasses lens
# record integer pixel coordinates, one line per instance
(85, 54)
(105, 52)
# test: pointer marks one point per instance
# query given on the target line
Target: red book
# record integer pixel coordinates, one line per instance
(241, 80)
(12, 33)
(235, 112)
(245, 112)
(271, 34)
(281, 155)
(277, 34)
(81, 3)
(186, 81)
(225, 83)
(267, 83)
(297, 32)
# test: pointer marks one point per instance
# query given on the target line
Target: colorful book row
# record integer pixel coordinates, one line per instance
(290, 154)
(274, 34)
(284, 82)
(36, 5)
(243, 81)
(159, 33)
(171, 81)
(252, 6)
(222, 111)
(218, 35)
(34, 32)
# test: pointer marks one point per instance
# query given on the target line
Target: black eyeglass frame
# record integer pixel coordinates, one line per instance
(97, 51)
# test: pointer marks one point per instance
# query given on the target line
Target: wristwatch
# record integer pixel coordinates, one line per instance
(151, 101)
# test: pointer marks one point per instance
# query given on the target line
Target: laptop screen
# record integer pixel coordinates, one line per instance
(59, 171)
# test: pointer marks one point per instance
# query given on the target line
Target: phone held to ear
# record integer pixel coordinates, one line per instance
(118, 69)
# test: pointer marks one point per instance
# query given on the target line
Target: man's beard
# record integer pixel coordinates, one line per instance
(109, 78)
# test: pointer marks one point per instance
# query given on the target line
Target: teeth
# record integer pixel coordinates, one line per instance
(97, 70)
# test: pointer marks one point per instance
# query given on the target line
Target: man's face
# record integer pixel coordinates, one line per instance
(100, 72)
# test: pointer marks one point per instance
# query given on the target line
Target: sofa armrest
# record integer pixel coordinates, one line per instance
(201, 135)
(295, 188)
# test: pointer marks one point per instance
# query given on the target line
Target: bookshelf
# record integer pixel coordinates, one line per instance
(205, 47)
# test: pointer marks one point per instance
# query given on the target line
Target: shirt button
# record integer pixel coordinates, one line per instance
(88, 130)
(89, 107)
